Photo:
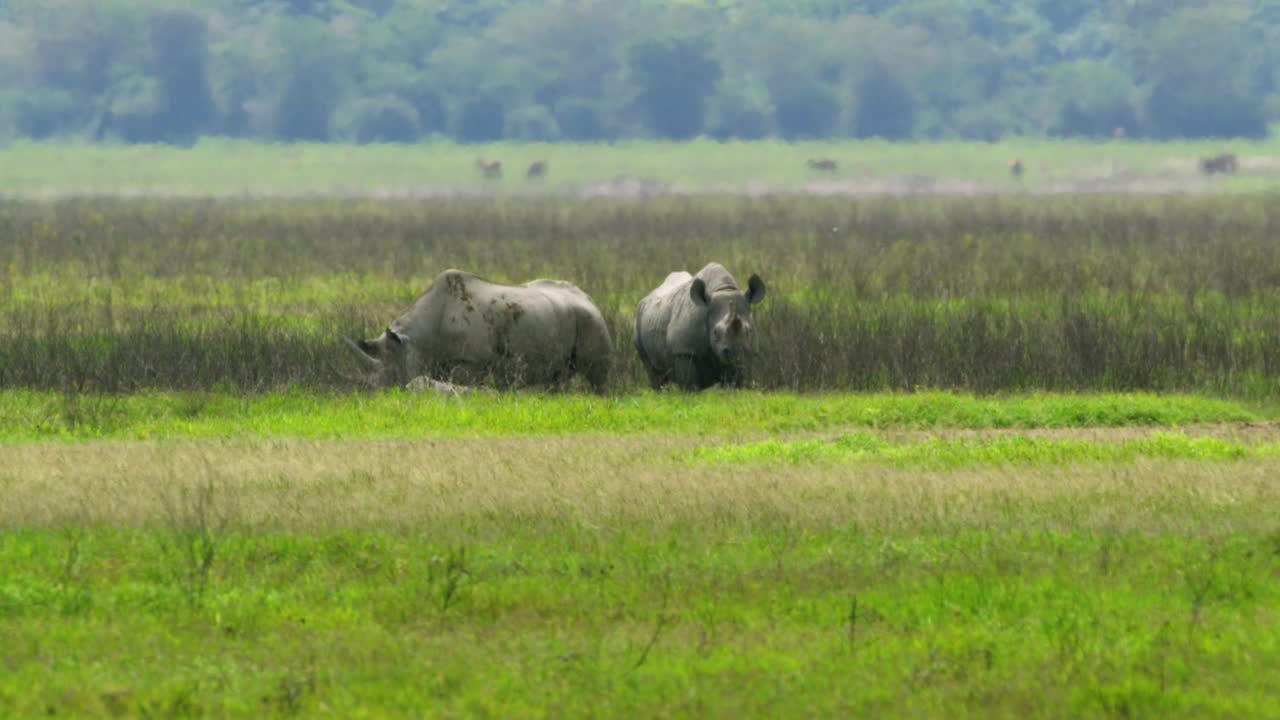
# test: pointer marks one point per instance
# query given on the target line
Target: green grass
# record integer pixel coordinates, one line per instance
(938, 453)
(522, 618)
(250, 551)
(389, 554)
(215, 166)
(32, 415)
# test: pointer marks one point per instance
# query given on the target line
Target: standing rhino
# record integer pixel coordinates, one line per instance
(697, 329)
(468, 329)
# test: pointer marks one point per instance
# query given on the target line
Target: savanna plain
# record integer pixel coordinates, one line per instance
(1002, 455)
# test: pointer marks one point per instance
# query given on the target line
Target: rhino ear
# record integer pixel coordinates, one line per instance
(755, 290)
(394, 336)
(698, 292)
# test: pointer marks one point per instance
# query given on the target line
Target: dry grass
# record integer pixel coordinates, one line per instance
(603, 482)
(564, 575)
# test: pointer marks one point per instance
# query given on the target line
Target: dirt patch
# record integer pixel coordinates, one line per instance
(1129, 183)
(903, 185)
(625, 186)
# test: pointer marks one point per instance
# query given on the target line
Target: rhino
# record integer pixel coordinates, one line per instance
(697, 329)
(468, 329)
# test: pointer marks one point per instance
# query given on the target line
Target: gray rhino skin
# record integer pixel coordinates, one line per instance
(697, 329)
(467, 329)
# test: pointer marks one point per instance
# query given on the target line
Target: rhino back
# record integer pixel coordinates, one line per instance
(463, 318)
(558, 289)
(523, 322)
(572, 301)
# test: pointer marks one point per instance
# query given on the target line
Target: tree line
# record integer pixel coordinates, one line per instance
(599, 70)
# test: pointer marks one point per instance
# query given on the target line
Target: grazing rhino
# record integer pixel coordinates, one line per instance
(467, 329)
(697, 329)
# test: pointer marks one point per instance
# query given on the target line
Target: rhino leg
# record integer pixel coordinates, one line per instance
(593, 351)
(711, 372)
(597, 375)
(593, 365)
(732, 377)
(656, 378)
(686, 373)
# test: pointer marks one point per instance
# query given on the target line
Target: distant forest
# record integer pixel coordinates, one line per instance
(583, 70)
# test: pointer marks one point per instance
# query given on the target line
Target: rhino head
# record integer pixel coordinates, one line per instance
(385, 359)
(730, 327)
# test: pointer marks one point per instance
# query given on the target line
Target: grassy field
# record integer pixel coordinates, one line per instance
(36, 415)
(242, 167)
(658, 556)
(1001, 456)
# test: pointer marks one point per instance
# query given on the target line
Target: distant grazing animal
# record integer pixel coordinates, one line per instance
(1224, 163)
(826, 165)
(1118, 133)
(466, 329)
(491, 169)
(1016, 168)
(697, 330)
(537, 170)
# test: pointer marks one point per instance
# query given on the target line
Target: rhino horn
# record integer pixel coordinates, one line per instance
(368, 361)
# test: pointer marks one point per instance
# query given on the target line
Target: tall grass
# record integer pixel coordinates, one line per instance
(992, 293)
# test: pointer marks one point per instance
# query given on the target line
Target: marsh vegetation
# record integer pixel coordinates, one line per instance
(985, 294)
(202, 514)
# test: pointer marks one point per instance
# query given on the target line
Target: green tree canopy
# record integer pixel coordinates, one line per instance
(481, 70)
(674, 78)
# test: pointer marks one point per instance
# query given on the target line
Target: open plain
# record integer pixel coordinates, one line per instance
(1009, 454)
(441, 170)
